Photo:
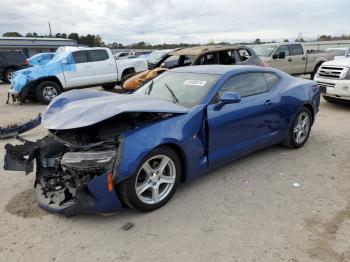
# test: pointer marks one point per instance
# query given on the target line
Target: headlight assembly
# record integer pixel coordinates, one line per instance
(81, 160)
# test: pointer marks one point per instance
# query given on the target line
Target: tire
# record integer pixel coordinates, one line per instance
(46, 91)
(298, 133)
(314, 72)
(8, 75)
(166, 181)
(108, 87)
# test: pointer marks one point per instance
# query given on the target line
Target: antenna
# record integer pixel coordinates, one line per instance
(50, 29)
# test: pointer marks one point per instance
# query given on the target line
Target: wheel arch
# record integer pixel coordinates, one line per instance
(48, 78)
(181, 154)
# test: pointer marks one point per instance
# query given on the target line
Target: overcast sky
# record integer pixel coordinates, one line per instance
(174, 21)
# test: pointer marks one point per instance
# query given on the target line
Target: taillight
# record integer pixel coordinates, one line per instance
(26, 62)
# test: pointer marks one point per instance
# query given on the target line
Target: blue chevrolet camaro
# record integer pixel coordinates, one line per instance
(104, 151)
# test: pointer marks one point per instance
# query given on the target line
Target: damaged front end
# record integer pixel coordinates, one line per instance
(76, 169)
(67, 181)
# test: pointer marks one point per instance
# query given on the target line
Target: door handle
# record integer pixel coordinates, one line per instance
(268, 103)
(290, 60)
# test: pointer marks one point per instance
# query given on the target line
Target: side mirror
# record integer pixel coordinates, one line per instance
(64, 61)
(282, 55)
(228, 98)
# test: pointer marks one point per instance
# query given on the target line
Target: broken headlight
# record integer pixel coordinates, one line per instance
(88, 160)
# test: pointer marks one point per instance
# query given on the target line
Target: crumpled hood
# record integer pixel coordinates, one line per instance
(80, 108)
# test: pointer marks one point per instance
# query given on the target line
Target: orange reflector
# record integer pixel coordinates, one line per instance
(110, 183)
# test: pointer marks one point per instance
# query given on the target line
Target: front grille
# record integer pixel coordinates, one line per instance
(332, 72)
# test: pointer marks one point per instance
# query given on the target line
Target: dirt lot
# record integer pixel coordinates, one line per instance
(245, 211)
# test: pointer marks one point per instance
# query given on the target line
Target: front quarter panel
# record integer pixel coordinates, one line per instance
(184, 131)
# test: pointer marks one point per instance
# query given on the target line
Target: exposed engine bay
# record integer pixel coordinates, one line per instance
(68, 160)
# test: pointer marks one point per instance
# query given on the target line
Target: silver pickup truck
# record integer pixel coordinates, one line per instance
(292, 58)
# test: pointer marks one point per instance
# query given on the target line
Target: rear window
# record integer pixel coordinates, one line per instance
(80, 57)
(98, 55)
(296, 50)
(15, 57)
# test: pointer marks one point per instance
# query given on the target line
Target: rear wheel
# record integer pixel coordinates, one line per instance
(8, 75)
(154, 182)
(46, 91)
(300, 129)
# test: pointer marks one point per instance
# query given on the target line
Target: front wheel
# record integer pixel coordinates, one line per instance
(299, 130)
(155, 181)
(46, 91)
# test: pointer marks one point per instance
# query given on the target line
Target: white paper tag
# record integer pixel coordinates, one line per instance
(195, 82)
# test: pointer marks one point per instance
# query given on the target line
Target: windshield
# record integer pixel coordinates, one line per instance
(186, 89)
(264, 50)
(338, 52)
(156, 56)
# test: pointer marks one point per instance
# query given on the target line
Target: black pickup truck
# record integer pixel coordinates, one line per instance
(11, 61)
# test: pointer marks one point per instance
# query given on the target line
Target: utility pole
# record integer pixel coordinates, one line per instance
(50, 29)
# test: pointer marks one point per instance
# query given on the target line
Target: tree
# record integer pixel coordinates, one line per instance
(12, 34)
(257, 41)
(74, 36)
(286, 41)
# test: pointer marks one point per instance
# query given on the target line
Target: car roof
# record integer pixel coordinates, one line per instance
(219, 69)
(197, 50)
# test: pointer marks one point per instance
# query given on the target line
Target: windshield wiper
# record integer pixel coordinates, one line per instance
(172, 94)
(149, 89)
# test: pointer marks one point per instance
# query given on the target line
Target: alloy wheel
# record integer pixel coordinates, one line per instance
(155, 179)
(301, 128)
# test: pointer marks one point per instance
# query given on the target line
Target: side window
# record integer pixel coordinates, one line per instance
(271, 80)
(245, 84)
(209, 59)
(80, 57)
(227, 58)
(282, 48)
(185, 60)
(98, 55)
(296, 50)
(244, 54)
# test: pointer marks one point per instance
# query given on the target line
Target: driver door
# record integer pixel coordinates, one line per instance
(239, 128)
(282, 64)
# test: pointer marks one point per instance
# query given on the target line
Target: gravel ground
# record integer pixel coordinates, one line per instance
(245, 211)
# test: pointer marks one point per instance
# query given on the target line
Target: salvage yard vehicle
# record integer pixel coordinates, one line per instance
(105, 151)
(292, 58)
(40, 59)
(73, 67)
(11, 61)
(199, 55)
(213, 55)
(333, 79)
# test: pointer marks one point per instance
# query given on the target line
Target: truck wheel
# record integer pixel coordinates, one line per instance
(46, 91)
(8, 75)
(314, 72)
(108, 87)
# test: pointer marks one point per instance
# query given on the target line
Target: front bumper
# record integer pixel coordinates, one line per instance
(334, 88)
(92, 198)
(61, 190)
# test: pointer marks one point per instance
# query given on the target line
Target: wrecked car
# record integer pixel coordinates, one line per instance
(40, 59)
(72, 67)
(105, 151)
